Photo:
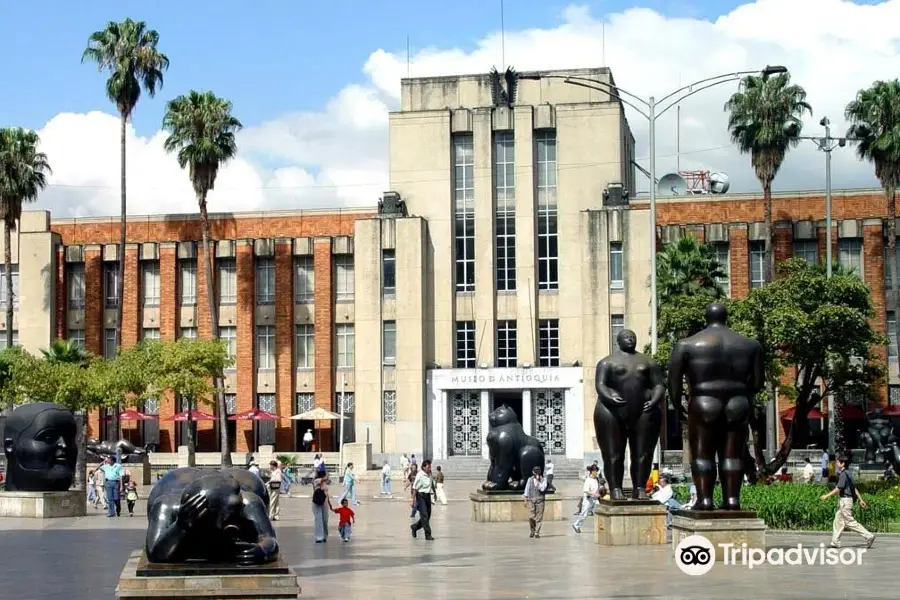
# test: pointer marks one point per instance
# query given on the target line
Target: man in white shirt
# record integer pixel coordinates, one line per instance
(809, 472)
(307, 440)
(274, 490)
(548, 472)
(386, 479)
(254, 468)
(590, 493)
(535, 489)
(421, 495)
(666, 495)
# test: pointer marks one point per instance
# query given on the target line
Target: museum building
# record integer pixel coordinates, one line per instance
(498, 269)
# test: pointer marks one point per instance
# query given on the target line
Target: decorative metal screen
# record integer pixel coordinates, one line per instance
(389, 406)
(465, 423)
(894, 395)
(549, 420)
(305, 402)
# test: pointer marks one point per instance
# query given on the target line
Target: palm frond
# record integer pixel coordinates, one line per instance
(23, 172)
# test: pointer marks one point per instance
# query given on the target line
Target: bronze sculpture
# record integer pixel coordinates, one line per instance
(126, 449)
(630, 387)
(879, 436)
(513, 453)
(724, 371)
(40, 448)
(214, 516)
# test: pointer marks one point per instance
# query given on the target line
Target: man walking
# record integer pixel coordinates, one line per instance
(843, 518)
(439, 494)
(535, 489)
(421, 495)
(112, 471)
(590, 493)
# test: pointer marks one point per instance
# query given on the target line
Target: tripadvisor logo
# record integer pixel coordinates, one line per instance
(696, 555)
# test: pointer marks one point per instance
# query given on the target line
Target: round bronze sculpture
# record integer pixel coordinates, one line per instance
(40, 448)
(878, 437)
(630, 387)
(214, 516)
(513, 453)
(724, 371)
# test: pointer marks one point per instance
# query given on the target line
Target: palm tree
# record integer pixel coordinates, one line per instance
(874, 118)
(23, 174)
(688, 268)
(128, 52)
(765, 122)
(66, 351)
(202, 132)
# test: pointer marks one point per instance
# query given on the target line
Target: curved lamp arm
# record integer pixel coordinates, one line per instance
(608, 86)
(613, 93)
(600, 86)
(679, 99)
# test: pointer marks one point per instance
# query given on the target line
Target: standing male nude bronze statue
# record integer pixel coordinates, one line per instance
(724, 371)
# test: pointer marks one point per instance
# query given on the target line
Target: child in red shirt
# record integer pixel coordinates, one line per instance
(345, 519)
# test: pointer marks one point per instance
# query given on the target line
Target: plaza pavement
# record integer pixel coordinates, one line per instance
(80, 559)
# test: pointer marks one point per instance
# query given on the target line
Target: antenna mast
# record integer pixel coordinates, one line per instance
(678, 133)
(502, 39)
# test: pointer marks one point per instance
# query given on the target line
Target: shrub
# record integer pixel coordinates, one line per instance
(798, 507)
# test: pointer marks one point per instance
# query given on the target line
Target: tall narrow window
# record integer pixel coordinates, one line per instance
(389, 342)
(304, 280)
(188, 282)
(265, 430)
(465, 344)
(76, 285)
(109, 343)
(111, 284)
(548, 249)
(807, 250)
(227, 269)
(150, 282)
(616, 326)
(346, 345)
(76, 336)
(850, 255)
(505, 201)
(548, 342)
(4, 296)
(189, 333)
(15, 340)
(345, 283)
(757, 263)
(265, 347)
(265, 281)
(305, 346)
(464, 211)
(892, 333)
(616, 266)
(723, 258)
(887, 264)
(229, 336)
(388, 273)
(150, 333)
(507, 349)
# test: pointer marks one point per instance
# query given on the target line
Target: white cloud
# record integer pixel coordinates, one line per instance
(338, 156)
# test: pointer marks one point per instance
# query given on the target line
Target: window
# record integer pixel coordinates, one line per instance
(887, 264)
(807, 250)
(891, 332)
(77, 336)
(388, 273)
(389, 342)
(189, 333)
(616, 326)
(265, 430)
(150, 333)
(464, 211)
(265, 347)
(111, 284)
(346, 343)
(305, 346)
(757, 263)
(109, 343)
(506, 344)
(304, 280)
(850, 255)
(465, 344)
(505, 198)
(344, 286)
(76, 285)
(305, 402)
(3, 339)
(389, 406)
(14, 270)
(227, 281)
(548, 342)
(347, 401)
(229, 336)
(723, 258)
(188, 282)
(230, 403)
(616, 266)
(548, 250)
(265, 281)
(150, 283)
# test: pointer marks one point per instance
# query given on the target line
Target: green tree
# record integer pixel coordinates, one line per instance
(202, 132)
(874, 117)
(128, 52)
(66, 351)
(23, 174)
(765, 122)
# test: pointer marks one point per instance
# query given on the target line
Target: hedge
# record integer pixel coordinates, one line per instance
(796, 506)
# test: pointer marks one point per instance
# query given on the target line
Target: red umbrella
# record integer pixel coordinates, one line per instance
(891, 411)
(852, 412)
(196, 415)
(788, 415)
(135, 415)
(254, 414)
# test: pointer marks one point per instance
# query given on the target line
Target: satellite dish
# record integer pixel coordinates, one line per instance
(672, 184)
(719, 183)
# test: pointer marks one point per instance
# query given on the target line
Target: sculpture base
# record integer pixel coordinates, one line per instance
(142, 580)
(629, 523)
(720, 527)
(505, 507)
(43, 505)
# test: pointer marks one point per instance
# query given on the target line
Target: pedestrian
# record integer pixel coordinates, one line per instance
(410, 478)
(587, 475)
(412, 460)
(843, 518)
(809, 472)
(112, 471)
(275, 480)
(535, 489)
(665, 495)
(131, 497)
(590, 493)
(346, 517)
(320, 510)
(421, 496)
(548, 472)
(307, 440)
(824, 466)
(254, 468)
(404, 466)
(100, 487)
(349, 486)
(386, 479)
(92, 491)
(439, 494)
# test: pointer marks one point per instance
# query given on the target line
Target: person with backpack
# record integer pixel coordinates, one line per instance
(321, 506)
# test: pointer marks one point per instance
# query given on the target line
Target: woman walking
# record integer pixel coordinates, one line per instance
(321, 506)
(349, 486)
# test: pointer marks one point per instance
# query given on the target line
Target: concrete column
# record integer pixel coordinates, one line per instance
(526, 271)
(439, 425)
(284, 342)
(246, 343)
(485, 409)
(526, 411)
(485, 268)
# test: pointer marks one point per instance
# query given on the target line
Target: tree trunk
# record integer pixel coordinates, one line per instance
(890, 192)
(7, 275)
(221, 409)
(120, 282)
(190, 421)
(769, 264)
(81, 461)
(685, 448)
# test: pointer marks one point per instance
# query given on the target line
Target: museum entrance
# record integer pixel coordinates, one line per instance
(465, 423)
(512, 399)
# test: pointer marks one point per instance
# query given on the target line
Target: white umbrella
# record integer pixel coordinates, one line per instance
(318, 414)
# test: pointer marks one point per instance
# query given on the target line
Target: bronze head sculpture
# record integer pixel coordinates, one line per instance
(39, 443)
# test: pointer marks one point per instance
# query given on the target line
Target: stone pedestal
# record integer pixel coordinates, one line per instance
(629, 523)
(720, 527)
(43, 505)
(358, 453)
(141, 580)
(505, 507)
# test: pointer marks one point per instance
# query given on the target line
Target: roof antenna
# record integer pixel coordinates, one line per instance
(502, 39)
